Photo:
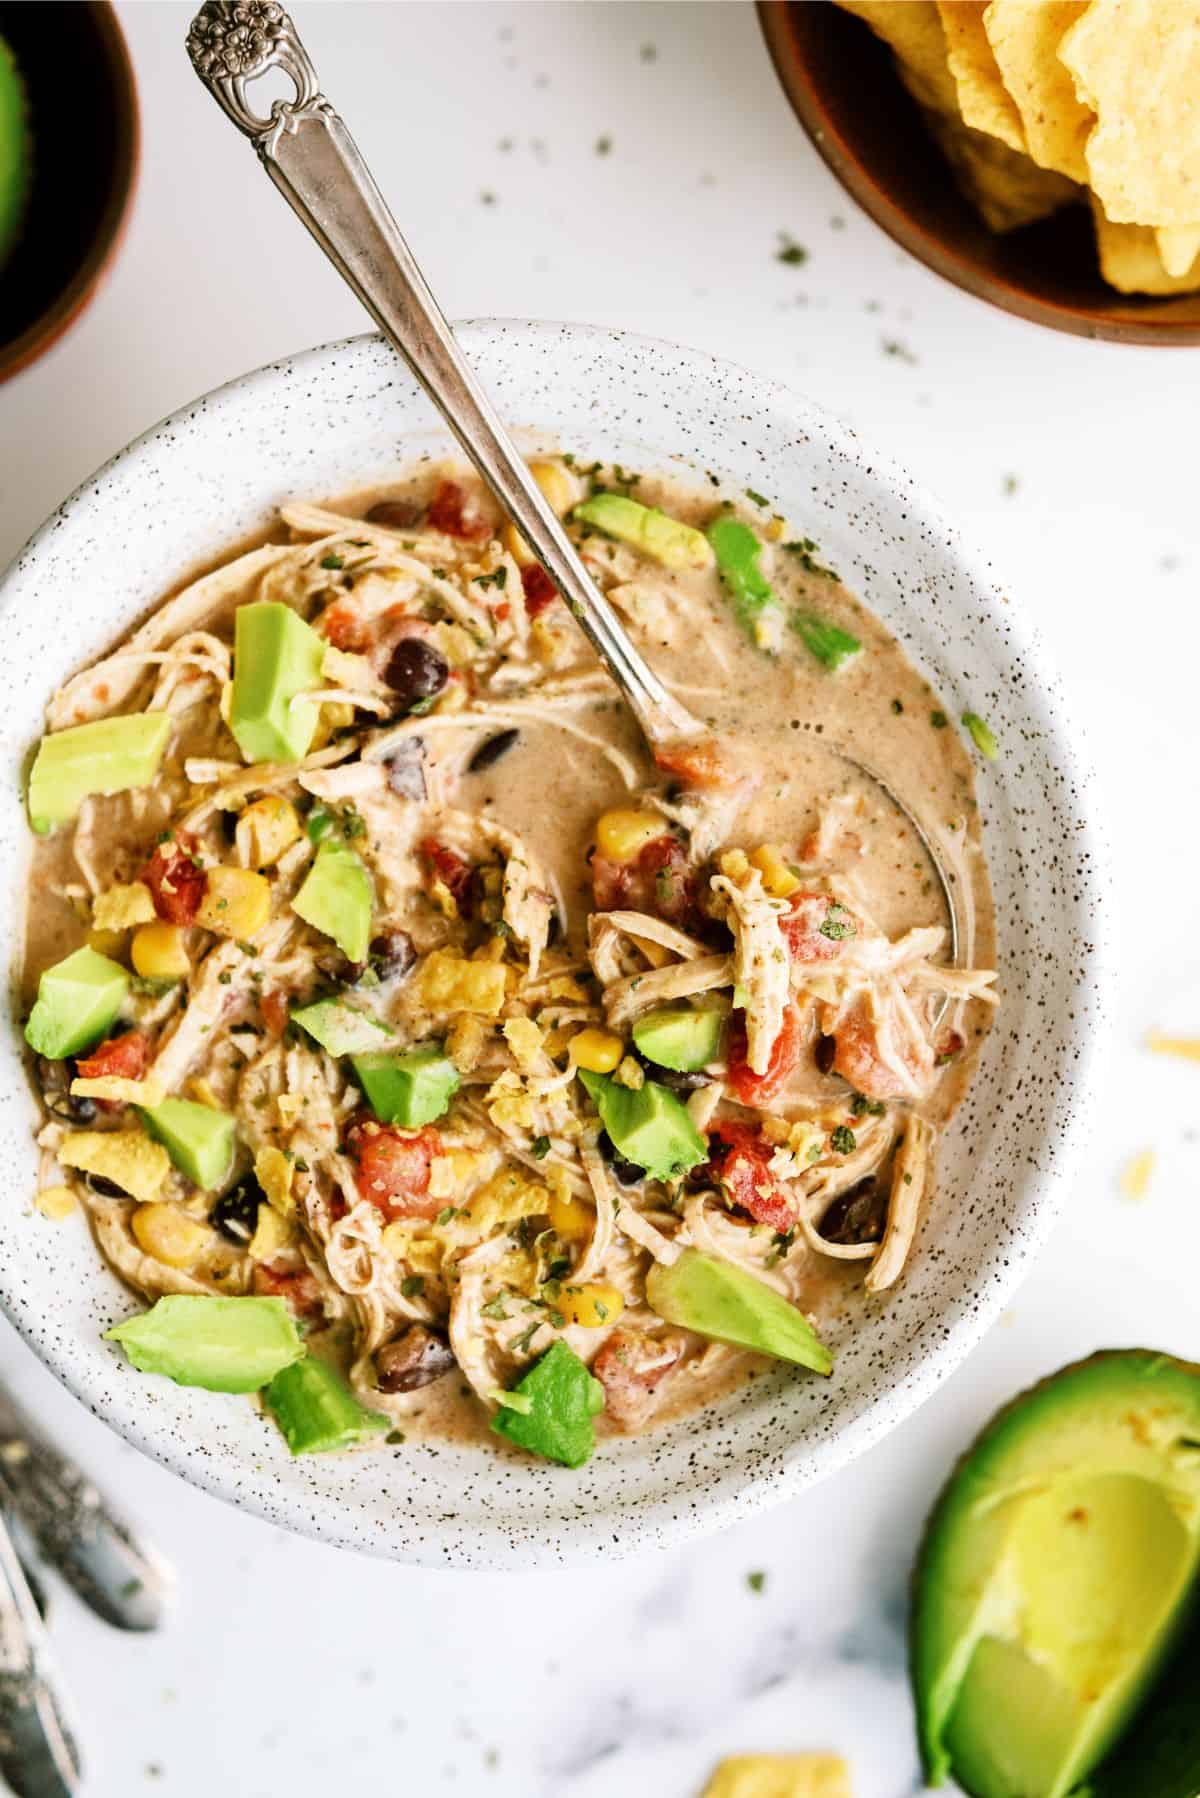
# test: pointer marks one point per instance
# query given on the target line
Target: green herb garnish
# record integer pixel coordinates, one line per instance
(838, 924)
(842, 1140)
(332, 561)
(982, 735)
(412, 1286)
(831, 645)
(938, 720)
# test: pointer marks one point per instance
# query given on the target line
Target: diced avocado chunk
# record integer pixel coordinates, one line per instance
(109, 755)
(78, 1001)
(411, 1088)
(554, 1403)
(681, 1037)
(223, 1345)
(649, 1127)
(714, 1298)
(336, 899)
(342, 1029)
(663, 539)
(1057, 1570)
(276, 657)
(198, 1138)
(755, 605)
(316, 1410)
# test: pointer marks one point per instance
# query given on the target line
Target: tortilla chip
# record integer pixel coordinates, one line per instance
(1178, 247)
(780, 1776)
(915, 33)
(1136, 63)
(1006, 188)
(1024, 36)
(983, 99)
(1130, 262)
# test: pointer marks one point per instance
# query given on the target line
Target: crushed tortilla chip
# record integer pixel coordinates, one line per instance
(273, 1171)
(56, 1202)
(1178, 247)
(126, 1157)
(272, 1234)
(780, 1776)
(1187, 1047)
(122, 907)
(115, 1089)
(1135, 1175)
(1130, 259)
(1024, 36)
(525, 1040)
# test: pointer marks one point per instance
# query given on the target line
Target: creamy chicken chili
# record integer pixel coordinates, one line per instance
(433, 1060)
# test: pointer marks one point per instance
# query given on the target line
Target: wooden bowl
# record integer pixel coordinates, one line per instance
(83, 107)
(844, 90)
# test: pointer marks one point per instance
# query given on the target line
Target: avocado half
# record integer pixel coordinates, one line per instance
(1057, 1572)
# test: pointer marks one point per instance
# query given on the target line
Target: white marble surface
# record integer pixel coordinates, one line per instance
(287, 1666)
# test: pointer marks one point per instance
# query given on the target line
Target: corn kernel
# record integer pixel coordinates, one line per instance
(622, 835)
(593, 1306)
(734, 864)
(265, 829)
(272, 1234)
(565, 987)
(454, 697)
(201, 1090)
(334, 715)
(237, 903)
(158, 952)
(56, 1202)
(559, 488)
(599, 1051)
(778, 878)
(776, 530)
(630, 1073)
(571, 1218)
(517, 547)
(168, 1234)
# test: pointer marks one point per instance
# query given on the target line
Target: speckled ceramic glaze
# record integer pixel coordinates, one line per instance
(338, 418)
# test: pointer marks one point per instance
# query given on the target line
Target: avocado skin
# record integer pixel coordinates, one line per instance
(1085, 1379)
(1159, 1757)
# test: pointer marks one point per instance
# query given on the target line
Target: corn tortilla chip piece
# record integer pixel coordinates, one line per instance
(1178, 246)
(1136, 63)
(1024, 36)
(780, 1776)
(914, 31)
(1130, 262)
(983, 99)
(1006, 188)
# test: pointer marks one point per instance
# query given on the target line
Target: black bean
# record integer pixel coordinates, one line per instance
(235, 1213)
(415, 1358)
(229, 823)
(857, 1216)
(392, 954)
(676, 1079)
(396, 514)
(406, 770)
(54, 1078)
(825, 1053)
(489, 753)
(108, 1189)
(626, 1171)
(416, 671)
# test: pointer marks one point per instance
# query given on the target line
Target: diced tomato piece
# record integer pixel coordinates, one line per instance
(738, 1159)
(121, 1057)
(699, 762)
(816, 926)
(392, 1167)
(758, 1089)
(177, 882)
(539, 589)
(658, 880)
(454, 873)
(343, 625)
(275, 1011)
(296, 1286)
(449, 512)
(631, 1365)
(857, 1057)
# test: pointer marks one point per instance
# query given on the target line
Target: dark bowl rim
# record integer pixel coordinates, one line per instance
(67, 305)
(840, 158)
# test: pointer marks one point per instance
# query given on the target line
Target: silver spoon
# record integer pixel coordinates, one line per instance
(314, 162)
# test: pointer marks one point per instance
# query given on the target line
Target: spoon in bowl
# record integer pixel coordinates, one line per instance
(314, 162)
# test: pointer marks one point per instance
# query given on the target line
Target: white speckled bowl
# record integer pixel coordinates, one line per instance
(336, 418)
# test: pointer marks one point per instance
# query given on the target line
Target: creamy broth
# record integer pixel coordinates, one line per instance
(786, 714)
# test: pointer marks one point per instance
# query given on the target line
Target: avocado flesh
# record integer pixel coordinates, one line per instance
(198, 1138)
(1159, 1757)
(222, 1345)
(336, 899)
(15, 161)
(340, 1028)
(716, 1299)
(276, 657)
(1056, 1573)
(316, 1410)
(110, 755)
(681, 1037)
(411, 1088)
(78, 1000)
(649, 1127)
(663, 539)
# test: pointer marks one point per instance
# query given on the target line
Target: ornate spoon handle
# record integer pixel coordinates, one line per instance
(316, 165)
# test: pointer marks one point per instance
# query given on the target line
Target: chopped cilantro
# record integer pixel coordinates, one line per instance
(897, 707)
(938, 720)
(806, 553)
(861, 1106)
(759, 499)
(412, 1286)
(756, 1581)
(445, 1215)
(541, 1147)
(982, 735)
(495, 1308)
(842, 1140)
(790, 252)
(838, 924)
(332, 561)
